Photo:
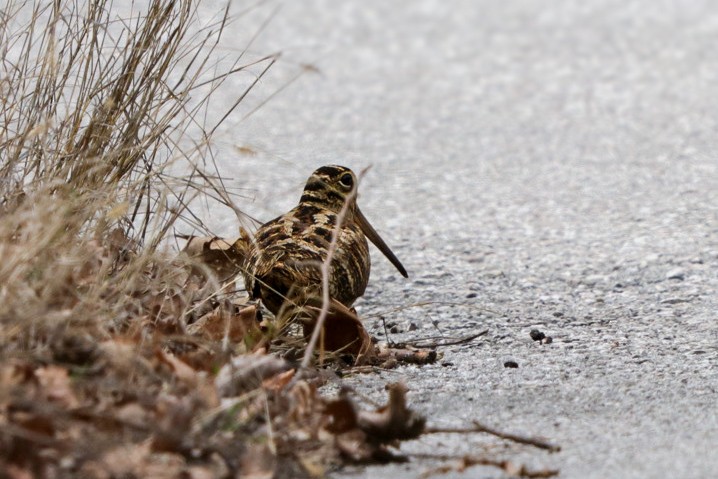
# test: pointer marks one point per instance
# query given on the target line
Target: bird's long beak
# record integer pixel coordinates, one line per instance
(374, 237)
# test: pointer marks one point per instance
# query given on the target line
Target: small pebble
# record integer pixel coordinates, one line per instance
(537, 335)
(674, 301)
(677, 274)
(390, 363)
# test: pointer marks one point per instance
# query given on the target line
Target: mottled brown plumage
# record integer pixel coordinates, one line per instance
(283, 267)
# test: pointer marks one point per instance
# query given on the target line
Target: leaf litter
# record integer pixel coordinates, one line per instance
(161, 398)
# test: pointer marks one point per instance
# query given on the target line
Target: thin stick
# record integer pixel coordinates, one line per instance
(421, 304)
(449, 342)
(478, 427)
(270, 430)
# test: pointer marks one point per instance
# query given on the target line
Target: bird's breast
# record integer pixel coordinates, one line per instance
(288, 253)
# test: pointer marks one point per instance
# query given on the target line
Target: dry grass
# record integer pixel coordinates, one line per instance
(95, 112)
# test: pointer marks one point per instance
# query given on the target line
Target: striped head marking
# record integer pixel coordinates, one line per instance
(330, 187)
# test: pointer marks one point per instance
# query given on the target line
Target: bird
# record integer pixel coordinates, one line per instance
(283, 266)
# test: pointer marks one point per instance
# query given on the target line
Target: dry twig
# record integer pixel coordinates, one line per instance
(478, 427)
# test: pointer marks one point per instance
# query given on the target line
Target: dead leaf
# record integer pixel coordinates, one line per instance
(245, 373)
(511, 469)
(312, 466)
(134, 460)
(181, 370)
(279, 381)
(354, 446)
(166, 308)
(341, 414)
(393, 421)
(13, 375)
(14, 471)
(76, 347)
(122, 355)
(133, 413)
(343, 332)
(205, 472)
(258, 462)
(199, 384)
(362, 435)
(30, 432)
(223, 257)
(305, 404)
(174, 418)
(199, 354)
(236, 324)
(39, 427)
(55, 384)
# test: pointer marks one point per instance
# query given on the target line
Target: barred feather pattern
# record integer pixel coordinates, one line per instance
(284, 264)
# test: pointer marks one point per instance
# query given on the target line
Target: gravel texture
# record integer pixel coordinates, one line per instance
(536, 165)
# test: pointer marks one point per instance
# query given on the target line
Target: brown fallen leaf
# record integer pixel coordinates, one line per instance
(55, 384)
(134, 460)
(164, 308)
(132, 413)
(14, 471)
(223, 257)
(362, 435)
(199, 354)
(245, 373)
(355, 448)
(173, 423)
(14, 374)
(393, 421)
(279, 381)
(181, 370)
(26, 433)
(202, 388)
(343, 332)
(342, 415)
(122, 355)
(258, 462)
(236, 323)
(304, 407)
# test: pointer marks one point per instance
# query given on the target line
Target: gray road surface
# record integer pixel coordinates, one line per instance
(553, 162)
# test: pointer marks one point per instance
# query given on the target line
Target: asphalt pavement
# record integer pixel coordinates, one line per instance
(534, 165)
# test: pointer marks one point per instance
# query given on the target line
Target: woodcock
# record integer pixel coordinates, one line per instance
(283, 268)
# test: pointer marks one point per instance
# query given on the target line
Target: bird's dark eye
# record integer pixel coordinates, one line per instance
(346, 180)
